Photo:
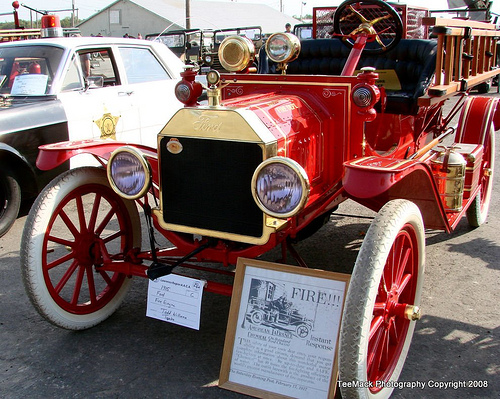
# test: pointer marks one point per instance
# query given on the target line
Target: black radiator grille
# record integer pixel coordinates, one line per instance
(208, 185)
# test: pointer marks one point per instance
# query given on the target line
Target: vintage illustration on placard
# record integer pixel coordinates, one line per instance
(269, 305)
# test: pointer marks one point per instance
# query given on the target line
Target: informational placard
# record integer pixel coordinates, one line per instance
(176, 299)
(283, 328)
(29, 85)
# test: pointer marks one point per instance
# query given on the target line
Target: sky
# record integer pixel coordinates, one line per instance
(86, 8)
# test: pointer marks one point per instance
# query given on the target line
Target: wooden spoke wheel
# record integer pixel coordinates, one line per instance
(382, 301)
(76, 221)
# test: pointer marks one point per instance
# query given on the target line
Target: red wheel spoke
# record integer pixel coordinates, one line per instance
(404, 282)
(105, 277)
(401, 267)
(379, 355)
(78, 286)
(105, 222)
(113, 236)
(393, 333)
(90, 281)
(375, 326)
(374, 352)
(67, 275)
(95, 211)
(61, 241)
(67, 221)
(60, 260)
(81, 214)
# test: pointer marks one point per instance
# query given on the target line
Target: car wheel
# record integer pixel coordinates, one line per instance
(478, 210)
(71, 222)
(10, 200)
(257, 317)
(382, 301)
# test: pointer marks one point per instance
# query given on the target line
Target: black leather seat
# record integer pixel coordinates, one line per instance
(414, 61)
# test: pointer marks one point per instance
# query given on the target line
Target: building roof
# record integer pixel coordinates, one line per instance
(208, 15)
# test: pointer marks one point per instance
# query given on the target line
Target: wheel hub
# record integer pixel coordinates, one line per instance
(86, 252)
(395, 309)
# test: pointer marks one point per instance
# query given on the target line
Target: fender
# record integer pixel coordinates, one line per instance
(53, 155)
(373, 181)
(478, 115)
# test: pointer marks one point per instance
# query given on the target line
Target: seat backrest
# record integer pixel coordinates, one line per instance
(413, 61)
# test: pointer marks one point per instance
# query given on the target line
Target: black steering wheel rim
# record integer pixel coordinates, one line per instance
(390, 25)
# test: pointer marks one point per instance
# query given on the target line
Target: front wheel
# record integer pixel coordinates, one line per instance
(69, 225)
(381, 302)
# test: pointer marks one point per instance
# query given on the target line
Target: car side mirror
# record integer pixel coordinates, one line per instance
(94, 82)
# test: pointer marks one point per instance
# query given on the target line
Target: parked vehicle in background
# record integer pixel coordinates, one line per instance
(76, 88)
(187, 44)
(200, 47)
(355, 113)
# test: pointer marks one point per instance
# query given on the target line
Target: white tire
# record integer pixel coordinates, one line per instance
(388, 275)
(72, 219)
(478, 210)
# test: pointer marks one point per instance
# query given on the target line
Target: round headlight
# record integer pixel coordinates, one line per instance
(207, 59)
(236, 53)
(280, 187)
(283, 47)
(129, 173)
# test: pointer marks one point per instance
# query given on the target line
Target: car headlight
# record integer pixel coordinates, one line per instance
(208, 59)
(236, 53)
(280, 187)
(282, 47)
(129, 172)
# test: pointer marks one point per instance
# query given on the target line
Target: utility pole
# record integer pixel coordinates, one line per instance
(188, 14)
(73, 13)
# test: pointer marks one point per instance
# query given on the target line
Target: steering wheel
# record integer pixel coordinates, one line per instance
(374, 18)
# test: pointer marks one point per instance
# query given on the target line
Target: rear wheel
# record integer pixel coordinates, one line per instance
(70, 224)
(382, 299)
(10, 200)
(478, 210)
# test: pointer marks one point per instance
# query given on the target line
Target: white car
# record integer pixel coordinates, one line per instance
(76, 88)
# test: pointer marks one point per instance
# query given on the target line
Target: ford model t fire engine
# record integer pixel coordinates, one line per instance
(268, 160)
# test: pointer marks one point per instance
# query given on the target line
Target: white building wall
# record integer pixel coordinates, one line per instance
(124, 17)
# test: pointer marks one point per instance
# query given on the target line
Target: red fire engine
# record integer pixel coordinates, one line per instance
(354, 113)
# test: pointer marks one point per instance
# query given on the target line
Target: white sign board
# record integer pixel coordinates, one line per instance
(283, 331)
(29, 85)
(176, 299)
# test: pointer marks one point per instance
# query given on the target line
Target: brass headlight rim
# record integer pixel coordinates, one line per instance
(248, 50)
(145, 165)
(304, 180)
(293, 43)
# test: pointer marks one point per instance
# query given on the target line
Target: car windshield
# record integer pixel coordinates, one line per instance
(28, 70)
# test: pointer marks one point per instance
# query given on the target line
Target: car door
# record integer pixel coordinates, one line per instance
(99, 111)
(151, 79)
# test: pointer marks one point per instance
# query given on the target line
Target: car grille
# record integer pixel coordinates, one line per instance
(208, 185)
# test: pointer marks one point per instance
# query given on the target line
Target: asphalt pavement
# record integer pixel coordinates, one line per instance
(455, 351)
